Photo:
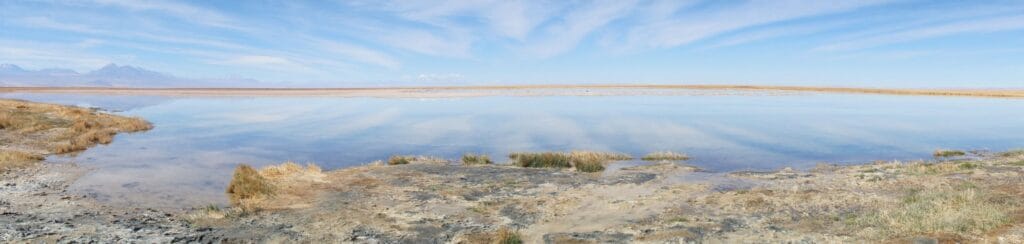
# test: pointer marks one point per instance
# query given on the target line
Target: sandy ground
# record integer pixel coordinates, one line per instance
(521, 90)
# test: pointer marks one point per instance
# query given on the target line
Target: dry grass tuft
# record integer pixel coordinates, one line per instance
(1012, 153)
(600, 155)
(399, 160)
(507, 236)
(946, 153)
(62, 129)
(923, 168)
(589, 165)
(248, 187)
(665, 155)
(409, 159)
(10, 159)
(583, 161)
(289, 169)
(958, 211)
(474, 159)
(542, 160)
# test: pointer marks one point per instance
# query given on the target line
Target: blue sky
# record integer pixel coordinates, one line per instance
(876, 43)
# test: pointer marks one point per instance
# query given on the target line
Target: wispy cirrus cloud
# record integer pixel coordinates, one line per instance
(568, 31)
(685, 28)
(986, 25)
(178, 10)
(384, 41)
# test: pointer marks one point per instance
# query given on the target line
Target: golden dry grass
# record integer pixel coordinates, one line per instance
(505, 235)
(960, 211)
(248, 187)
(49, 128)
(399, 160)
(541, 160)
(289, 169)
(10, 159)
(601, 155)
(474, 159)
(665, 155)
(583, 161)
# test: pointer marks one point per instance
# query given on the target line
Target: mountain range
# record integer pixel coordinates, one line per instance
(111, 75)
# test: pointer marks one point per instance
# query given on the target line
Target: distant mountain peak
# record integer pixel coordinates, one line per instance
(10, 67)
(110, 75)
(113, 70)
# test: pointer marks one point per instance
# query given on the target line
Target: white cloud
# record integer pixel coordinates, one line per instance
(693, 26)
(450, 77)
(1005, 23)
(513, 19)
(47, 23)
(577, 25)
(39, 55)
(360, 54)
(178, 10)
(266, 62)
(426, 42)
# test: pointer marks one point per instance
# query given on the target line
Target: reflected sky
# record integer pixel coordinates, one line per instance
(187, 159)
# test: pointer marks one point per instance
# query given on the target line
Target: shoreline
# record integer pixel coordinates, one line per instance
(457, 91)
(964, 198)
(545, 197)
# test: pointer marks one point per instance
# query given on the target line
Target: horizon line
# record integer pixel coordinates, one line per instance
(965, 92)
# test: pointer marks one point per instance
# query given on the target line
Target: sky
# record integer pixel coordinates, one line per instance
(866, 43)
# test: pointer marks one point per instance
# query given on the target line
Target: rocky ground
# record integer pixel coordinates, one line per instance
(35, 207)
(972, 198)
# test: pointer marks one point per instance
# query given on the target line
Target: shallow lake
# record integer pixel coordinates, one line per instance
(187, 159)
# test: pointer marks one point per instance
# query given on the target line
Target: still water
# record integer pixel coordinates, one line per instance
(187, 159)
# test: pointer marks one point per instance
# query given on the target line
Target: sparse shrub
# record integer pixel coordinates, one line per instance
(945, 153)
(6, 121)
(1012, 153)
(474, 159)
(665, 155)
(246, 186)
(507, 236)
(590, 165)
(399, 160)
(960, 211)
(583, 161)
(968, 166)
(588, 162)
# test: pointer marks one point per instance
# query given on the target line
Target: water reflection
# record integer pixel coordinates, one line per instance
(187, 159)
